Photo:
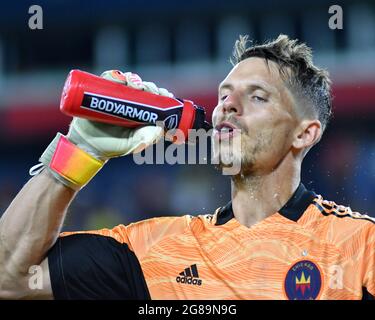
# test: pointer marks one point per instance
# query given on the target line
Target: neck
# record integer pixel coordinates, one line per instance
(255, 197)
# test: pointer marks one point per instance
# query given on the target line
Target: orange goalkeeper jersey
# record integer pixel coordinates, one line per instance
(309, 249)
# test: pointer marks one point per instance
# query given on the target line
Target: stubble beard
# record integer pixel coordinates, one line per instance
(247, 156)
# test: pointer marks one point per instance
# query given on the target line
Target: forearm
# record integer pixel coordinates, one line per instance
(32, 222)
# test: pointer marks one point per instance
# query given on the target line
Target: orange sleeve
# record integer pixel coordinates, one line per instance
(142, 235)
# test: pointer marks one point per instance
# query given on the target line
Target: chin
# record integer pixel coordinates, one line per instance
(230, 155)
(229, 162)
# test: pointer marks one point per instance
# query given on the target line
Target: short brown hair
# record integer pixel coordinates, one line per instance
(305, 80)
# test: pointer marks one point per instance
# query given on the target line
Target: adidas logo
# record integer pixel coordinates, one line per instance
(189, 276)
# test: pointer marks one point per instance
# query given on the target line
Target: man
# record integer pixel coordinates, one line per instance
(274, 240)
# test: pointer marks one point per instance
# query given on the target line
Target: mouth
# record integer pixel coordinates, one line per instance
(225, 130)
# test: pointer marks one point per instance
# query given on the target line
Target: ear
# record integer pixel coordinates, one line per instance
(307, 134)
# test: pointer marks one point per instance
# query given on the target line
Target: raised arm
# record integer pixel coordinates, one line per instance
(31, 224)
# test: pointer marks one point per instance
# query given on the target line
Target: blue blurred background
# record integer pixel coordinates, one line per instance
(183, 46)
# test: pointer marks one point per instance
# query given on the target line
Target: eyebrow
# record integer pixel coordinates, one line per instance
(253, 85)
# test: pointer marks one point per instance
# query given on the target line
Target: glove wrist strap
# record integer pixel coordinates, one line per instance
(69, 164)
(74, 164)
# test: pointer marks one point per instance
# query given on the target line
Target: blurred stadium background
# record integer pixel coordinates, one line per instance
(183, 46)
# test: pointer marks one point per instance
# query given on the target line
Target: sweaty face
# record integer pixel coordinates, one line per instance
(254, 99)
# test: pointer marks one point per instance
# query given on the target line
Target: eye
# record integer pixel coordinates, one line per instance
(259, 99)
(222, 98)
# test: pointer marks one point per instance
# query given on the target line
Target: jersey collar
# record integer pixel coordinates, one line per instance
(293, 209)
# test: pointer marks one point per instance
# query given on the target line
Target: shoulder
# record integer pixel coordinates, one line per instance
(161, 225)
(121, 232)
(343, 214)
(339, 224)
(171, 225)
(141, 236)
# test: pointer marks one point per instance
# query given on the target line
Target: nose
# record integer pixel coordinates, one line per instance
(232, 104)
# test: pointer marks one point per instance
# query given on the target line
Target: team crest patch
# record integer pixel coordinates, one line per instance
(303, 281)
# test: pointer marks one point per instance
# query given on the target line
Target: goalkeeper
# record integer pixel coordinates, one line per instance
(274, 240)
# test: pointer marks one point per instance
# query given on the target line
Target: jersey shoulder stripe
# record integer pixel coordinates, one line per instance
(328, 208)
